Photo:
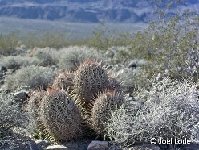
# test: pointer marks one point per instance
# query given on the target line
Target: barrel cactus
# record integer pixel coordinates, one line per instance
(60, 116)
(33, 107)
(90, 79)
(104, 104)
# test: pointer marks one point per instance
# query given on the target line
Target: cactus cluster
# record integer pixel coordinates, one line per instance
(82, 110)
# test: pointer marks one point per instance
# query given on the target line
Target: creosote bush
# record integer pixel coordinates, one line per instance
(169, 109)
(48, 39)
(175, 43)
(8, 44)
(30, 77)
(104, 38)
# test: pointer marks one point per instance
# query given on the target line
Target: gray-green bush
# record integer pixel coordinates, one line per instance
(16, 62)
(30, 77)
(70, 58)
(10, 114)
(169, 110)
(46, 56)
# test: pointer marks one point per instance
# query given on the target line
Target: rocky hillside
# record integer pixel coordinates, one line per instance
(83, 10)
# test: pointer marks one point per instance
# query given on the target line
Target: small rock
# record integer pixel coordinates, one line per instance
(98, 145)
(32, 145)
(57, 147)
(73, 146)
(3, 71)
(194, 146)
(77, 144)
(2, 68)
(114, 146)
(144, 147)
(21, 96)
(136, 63)
(53, 67)
(132, 64)
(42, 144)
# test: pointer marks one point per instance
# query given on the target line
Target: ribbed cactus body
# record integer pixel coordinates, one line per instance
(61, 116)
(90, 79)
(103, 106)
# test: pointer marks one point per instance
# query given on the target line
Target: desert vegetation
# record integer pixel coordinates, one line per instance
(126, 89)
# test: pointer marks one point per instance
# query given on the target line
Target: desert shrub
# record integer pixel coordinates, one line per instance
(104, 38)
(48, 39)
(99, 39)
(175, 43)
(8, 43)
(169, 110)
(30, 77)
(16, 62)
(118, 55)
(10, 114)
(46, 56)
(126, 77)
(72, 57)
(130, 79)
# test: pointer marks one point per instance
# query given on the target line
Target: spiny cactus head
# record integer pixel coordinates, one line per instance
(36, 126)
(90, 79)
(104, 104)
(60, 116)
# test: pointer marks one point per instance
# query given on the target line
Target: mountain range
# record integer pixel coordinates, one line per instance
(92, 11)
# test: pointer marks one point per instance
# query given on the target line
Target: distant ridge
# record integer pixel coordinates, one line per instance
(91, 11)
